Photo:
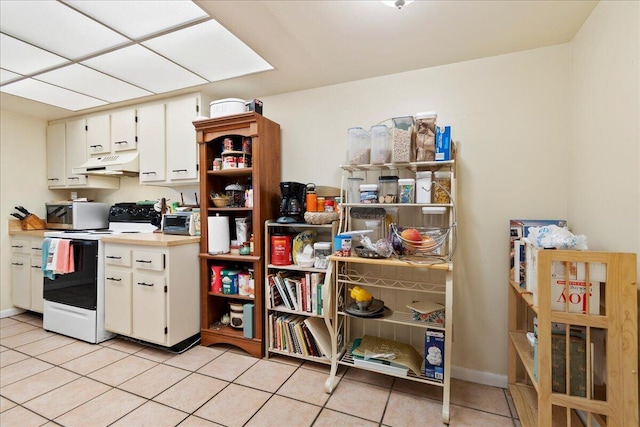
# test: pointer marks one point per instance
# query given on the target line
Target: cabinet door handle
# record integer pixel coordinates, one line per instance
(37, 249)
(74, 177)
(149, 173)
(36, 266)
(121, 142)
(179, 170)
(53, 179)
(114, 257)
(114, 279)
(17, 263)
(95, 146)
(145, 284)
(17, 246)
(144, 261)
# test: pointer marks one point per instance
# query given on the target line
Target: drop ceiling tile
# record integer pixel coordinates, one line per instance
(145, 69)
(137, 19)
(25, 59)
(58, 28)
(209, 50)
(93, 83)
(7, 76)
(49, 94)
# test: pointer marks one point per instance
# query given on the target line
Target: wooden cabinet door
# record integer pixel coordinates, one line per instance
(151, 143)
(76, 150)
(98, 135)
(149, 307)
(21, 281)
(123, 130)
(36, 277)
(56, 165)
(117, 301)
(182, 149)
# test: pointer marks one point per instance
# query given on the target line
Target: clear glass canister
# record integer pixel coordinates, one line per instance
(388, 189)
(441, 187)
(426, 136)
(402, 136)
(406, 190)
(359, 146)
(380, 144)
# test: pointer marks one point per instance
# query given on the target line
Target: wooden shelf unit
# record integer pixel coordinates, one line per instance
(265, 175)
(611, 373)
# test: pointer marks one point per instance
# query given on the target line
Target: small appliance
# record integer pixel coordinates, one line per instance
(184, 223)
(77, 215)
(292, 201)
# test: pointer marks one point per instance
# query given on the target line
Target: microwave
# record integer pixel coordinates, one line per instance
(77, 215)
(185, 223)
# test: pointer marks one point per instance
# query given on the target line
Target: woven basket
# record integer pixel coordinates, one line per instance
(320, 217)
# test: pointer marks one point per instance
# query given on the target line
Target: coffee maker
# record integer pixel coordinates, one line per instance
(292, 202)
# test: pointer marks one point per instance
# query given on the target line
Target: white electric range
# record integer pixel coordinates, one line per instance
(74, 302)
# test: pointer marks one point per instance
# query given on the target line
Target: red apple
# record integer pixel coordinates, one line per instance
(411, 235)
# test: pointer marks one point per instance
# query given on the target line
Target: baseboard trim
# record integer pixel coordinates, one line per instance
(11, 312)
(479, 377)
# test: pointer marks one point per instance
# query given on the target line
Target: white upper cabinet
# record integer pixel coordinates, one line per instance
(151, 143)
(182, 148)
(56, 172)
(98, 135)
(123, 130)
(76, 150)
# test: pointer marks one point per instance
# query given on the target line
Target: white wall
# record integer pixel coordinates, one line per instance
(509, 115)
(604, 185)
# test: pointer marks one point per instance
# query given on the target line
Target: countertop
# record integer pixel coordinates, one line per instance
(144, 239)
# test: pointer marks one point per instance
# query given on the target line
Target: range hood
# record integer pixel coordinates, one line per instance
(125, 164)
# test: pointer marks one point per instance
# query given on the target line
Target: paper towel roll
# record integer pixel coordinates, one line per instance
(218, 234)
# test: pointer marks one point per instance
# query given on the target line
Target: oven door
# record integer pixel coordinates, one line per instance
(80, 288)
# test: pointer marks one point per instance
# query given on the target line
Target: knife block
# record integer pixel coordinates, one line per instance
(32, 222)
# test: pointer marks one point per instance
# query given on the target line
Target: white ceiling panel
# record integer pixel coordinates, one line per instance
(137, 19)
(57, 28)
(209, 50)
(6, 76)
(93, 83)
(49, 94)
(25, 59)
(145, 69)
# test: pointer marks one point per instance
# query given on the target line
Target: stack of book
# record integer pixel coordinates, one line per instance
(306, 336)
(375, 364)
(297, 292)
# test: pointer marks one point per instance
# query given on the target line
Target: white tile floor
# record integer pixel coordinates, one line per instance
(48, 379)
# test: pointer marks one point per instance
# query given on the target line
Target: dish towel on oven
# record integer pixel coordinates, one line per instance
(64, 257)
(46, 250)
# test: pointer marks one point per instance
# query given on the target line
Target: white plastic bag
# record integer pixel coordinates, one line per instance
(552, 236)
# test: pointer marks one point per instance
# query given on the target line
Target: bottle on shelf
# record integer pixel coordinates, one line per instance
(311, 199)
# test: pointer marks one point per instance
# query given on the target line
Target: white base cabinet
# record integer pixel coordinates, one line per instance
(26, 273)
(152, 293)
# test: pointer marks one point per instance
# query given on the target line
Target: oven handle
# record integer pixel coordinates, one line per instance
(145, 284)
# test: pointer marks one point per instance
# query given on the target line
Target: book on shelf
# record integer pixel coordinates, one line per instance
(317, 281)
(280, 285)
(320, 333)
(291, 286)
(275, 298)
(374, 364)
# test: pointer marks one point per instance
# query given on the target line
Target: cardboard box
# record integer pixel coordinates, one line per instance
(434, 355)
(254, 105)
(577, 286)
(443, 143)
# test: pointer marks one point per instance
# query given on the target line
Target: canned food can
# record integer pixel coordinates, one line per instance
(217, 164)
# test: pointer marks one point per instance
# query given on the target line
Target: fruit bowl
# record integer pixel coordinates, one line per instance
(420, 241)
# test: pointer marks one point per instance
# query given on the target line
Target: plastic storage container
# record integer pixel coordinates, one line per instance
(434, 217)
(402, 136)
(322, 250)
(441, 187)
(388, 189)
(226, 107)
(359, 146)
(380, 144)
(353, 189)
(406, 190)
(369, 193)
(426, 136)
(423, 187)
